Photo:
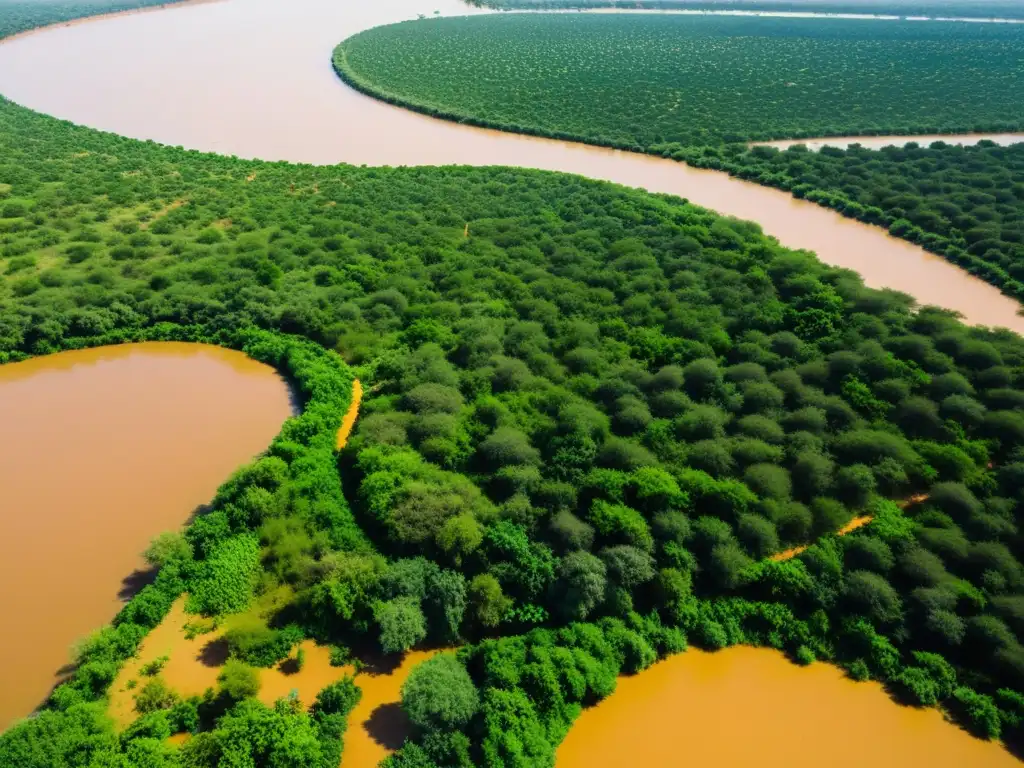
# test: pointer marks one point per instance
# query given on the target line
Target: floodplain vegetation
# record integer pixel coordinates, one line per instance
(637, 81)
(697, 89)
(591, 417)
(985, 9)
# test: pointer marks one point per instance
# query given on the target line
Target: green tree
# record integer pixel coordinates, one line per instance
(401, 624)
(439, 694)
(487, 600)
(580, 587)
(238, 681)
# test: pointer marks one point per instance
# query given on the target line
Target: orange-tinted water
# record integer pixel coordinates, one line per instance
(746, 707)
(269, 91)
(377, 725)
(101, 450)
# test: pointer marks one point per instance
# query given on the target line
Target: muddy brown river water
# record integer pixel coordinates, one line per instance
(114, 446)
(752, 707)
(101, 450)
(268, 91)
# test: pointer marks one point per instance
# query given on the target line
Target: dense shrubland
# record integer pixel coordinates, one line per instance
(601, 405)
(591, 416)
(1004, 9)
(637, 81)
(683, 88)
(964, 203)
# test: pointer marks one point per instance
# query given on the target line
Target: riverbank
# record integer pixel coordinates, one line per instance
(878, 142)
(96, 435)
(155, 5)
(250, 102)
(428, 78)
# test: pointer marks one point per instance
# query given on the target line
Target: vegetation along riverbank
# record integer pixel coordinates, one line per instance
(591, 416)
(973, 9)
(695, 95)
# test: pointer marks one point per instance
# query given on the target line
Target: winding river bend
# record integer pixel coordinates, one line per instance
(103, 449)
(269, 92)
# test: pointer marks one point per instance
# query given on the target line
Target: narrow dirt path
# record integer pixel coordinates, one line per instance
(353, 413)
(850, 527)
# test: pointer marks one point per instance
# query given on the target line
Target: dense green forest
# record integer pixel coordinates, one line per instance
(592, 414)
(550, 76)
(964, 203)
(989, 9)
(636, 81)
(21, 15)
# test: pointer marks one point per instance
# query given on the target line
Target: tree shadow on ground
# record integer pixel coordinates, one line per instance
(134, 582)
(388, 725)
(379, 664)
(214, 653)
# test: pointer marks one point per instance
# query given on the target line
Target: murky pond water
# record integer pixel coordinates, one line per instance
(269, 91)
(101, 450)
(746, 707)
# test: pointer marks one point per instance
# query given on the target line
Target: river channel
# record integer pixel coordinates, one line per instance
(268, 91)
(103, 449)
(143, 435)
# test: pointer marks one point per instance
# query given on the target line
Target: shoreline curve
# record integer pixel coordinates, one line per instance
(358, 129)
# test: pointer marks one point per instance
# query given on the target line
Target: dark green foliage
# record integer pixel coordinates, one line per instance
(599, 404)
(283, 736)
(785, 77)
(154, 695)
(238, 681)
(963, 203)
(977, 711)
(402, 624)
(983, 9)
(261, 646)
(439, 694)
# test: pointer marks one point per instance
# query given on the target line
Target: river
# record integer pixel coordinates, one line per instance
(103, 449)
(748, 706)
(268, 91)
(877, 142)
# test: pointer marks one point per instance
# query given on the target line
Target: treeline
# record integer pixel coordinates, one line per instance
(964, 203)
(584, 404)
(20, 16)
(986, 9)
(632, 81)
